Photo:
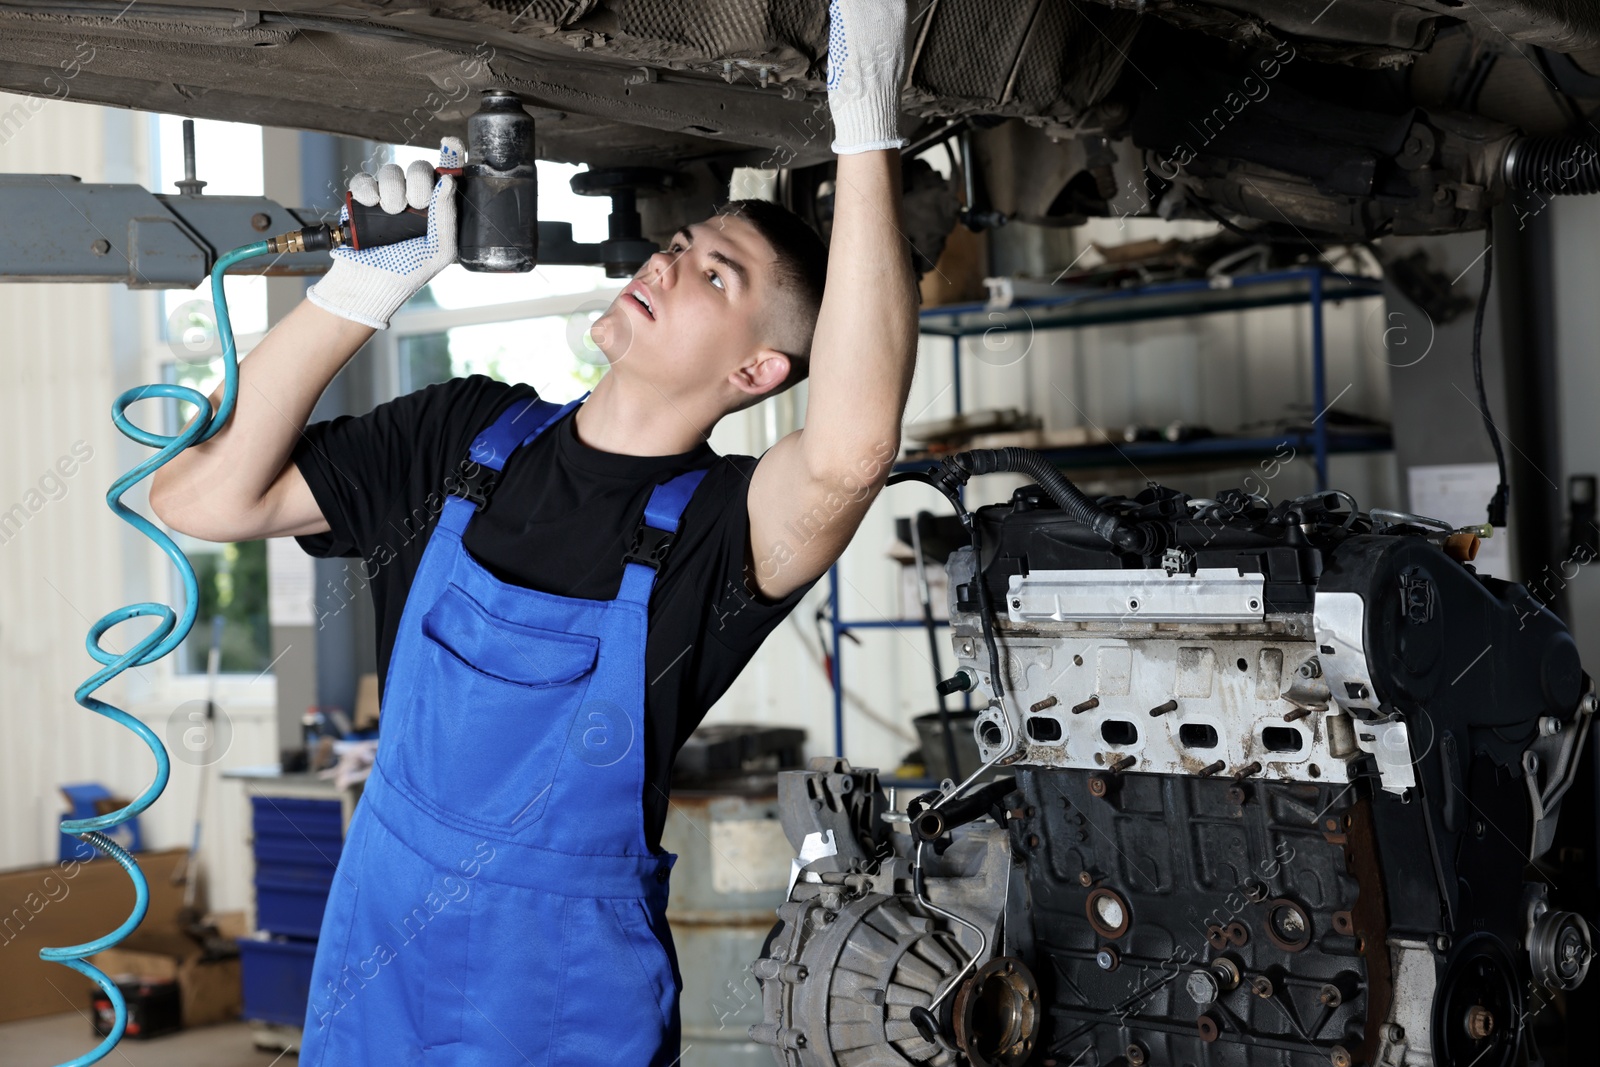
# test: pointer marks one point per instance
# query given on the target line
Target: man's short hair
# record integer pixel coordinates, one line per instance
(800, 269)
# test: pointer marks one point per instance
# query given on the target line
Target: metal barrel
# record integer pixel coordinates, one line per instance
(732, 873)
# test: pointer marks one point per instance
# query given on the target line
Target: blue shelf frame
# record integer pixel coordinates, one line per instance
(1202, 296)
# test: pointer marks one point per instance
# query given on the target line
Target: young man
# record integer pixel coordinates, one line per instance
(564, 591)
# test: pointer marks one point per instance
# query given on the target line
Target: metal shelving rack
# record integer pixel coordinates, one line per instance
(1306, 285)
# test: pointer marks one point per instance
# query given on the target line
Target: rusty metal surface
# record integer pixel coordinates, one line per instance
(1369, 919)
(687, 84)
(620, 80)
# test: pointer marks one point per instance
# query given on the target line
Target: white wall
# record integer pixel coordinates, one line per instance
(1221, 370)
(55, 572)
(66, 352)
(1577, 265)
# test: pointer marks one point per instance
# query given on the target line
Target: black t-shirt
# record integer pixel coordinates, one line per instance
(559, 519)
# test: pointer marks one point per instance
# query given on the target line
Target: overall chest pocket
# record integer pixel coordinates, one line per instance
(483, 735)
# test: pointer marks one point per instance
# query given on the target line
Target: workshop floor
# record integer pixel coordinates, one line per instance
(58, 1038)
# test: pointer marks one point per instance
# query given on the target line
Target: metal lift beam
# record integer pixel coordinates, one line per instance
(56, 228)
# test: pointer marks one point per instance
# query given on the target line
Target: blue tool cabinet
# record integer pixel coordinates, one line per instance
(297, 845)
(276, 979)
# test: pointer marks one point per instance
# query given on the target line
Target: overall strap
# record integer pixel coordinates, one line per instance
(654, 535)
(488, 454)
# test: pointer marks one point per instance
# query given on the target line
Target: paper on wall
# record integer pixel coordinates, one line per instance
(290, 583)
(1459, 494)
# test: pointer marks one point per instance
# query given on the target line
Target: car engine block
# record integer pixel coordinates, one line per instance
(1281, 787)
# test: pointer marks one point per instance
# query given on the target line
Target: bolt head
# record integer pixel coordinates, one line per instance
(1201, 987)
(1571, 945)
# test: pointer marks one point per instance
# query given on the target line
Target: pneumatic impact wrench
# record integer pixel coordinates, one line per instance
(497, 195)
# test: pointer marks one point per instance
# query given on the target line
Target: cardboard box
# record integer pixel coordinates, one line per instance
(366, 702)
(70, 903)
(209, 991)
(958, 276)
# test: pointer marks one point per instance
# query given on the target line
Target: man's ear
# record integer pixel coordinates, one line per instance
(761, 373)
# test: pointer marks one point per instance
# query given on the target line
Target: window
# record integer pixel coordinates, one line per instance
(550, 351)
(525, 328)
(228, 158)
(232, 577)
(529, 328)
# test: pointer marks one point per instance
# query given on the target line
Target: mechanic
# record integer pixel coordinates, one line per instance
(594, 578)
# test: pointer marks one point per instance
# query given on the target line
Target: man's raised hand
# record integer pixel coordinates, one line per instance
(866, 61)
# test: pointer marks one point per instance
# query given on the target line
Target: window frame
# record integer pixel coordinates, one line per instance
(162, 681)
(419, 322)
(159, 363)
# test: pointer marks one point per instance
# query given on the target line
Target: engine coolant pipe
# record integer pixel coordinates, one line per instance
(167, 634)
(1553, 166)
(1124, 535)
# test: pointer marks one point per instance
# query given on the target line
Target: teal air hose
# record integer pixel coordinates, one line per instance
(163, 638)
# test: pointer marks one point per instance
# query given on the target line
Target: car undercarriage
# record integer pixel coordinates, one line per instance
(1304, 120)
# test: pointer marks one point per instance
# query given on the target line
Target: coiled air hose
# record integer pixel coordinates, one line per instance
(1126, 536)
(163, 638)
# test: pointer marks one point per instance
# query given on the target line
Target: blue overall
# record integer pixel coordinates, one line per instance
(496, 901)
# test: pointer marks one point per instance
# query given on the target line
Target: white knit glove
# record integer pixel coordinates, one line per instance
(370, 285)
(866, 60)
